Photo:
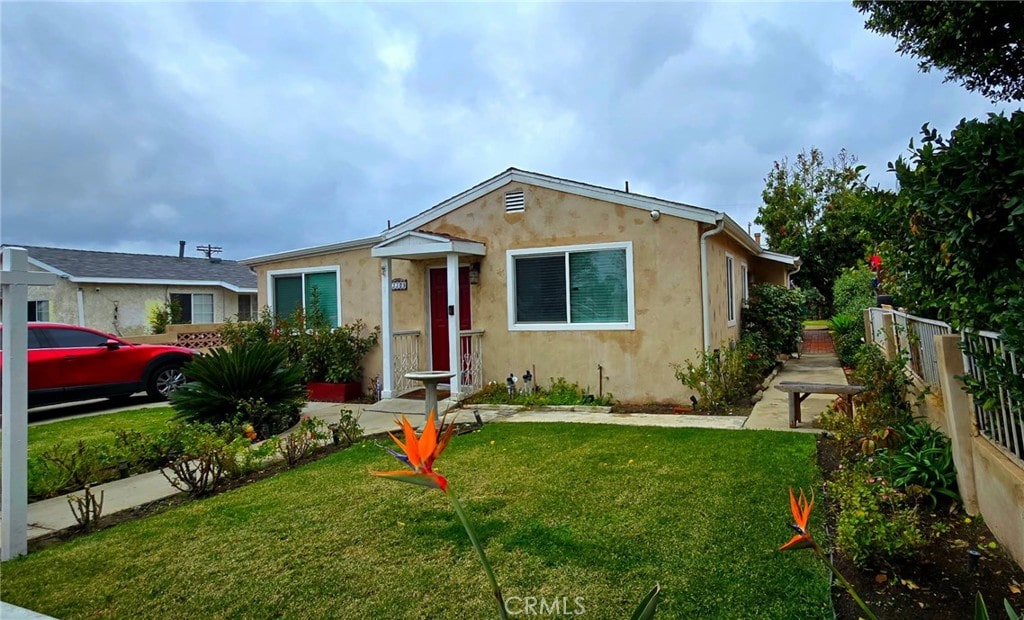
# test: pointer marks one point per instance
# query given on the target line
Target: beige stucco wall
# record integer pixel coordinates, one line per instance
(636, 362)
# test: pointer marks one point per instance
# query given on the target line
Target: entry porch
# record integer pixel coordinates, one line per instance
(437, 334)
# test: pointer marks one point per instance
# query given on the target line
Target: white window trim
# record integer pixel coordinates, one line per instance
(271, 274)
(35, 316)
(744, 285)
(730, 290)
(510, 284)
(192, 308)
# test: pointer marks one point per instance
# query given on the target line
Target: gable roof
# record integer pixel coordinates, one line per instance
(121, 268)
(515, 175)
(606, 194)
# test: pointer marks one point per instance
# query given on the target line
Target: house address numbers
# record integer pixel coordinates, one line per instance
(399, 284)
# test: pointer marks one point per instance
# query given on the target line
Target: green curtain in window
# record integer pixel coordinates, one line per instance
(327, 290)
(287, 295)
(597, 287)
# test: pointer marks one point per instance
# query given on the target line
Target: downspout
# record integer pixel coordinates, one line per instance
(704, 293)
(81, 307)
(792, 272)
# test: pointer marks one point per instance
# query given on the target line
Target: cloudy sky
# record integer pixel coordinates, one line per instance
(267, 127)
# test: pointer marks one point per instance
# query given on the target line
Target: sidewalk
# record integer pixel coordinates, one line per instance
(51, 515)
(818, 363)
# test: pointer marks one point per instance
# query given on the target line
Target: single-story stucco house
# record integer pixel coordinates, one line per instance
(531, 272)
(114, 292)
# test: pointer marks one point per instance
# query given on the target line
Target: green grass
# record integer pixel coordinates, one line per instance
(97, 428)
(816, 323)
(598, 512)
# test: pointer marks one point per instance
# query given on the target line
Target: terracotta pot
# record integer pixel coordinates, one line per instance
(334, 392)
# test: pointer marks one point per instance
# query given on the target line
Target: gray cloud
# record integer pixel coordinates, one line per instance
(268, 127)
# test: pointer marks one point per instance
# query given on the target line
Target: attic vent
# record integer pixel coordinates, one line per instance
(515, 202)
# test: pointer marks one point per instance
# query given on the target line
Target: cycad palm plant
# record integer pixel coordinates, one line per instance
(250, 382)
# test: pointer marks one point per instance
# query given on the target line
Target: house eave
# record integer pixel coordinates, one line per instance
(161, 282)
(313, 251)
(513, 175)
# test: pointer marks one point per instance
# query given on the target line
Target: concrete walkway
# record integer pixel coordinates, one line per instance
(772, 411)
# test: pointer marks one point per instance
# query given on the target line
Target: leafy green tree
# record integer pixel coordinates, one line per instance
(980, 44)
(816, 209)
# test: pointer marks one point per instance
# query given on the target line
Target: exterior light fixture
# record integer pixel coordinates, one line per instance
(474, 273)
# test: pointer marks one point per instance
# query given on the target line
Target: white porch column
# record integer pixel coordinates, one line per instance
(387, 328)
(454, 353)
(14, 281)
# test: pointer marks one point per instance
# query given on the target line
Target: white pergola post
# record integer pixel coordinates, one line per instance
(15, 278)
(454, 353)
(387, 329)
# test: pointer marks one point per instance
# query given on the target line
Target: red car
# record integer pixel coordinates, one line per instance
(68, 363)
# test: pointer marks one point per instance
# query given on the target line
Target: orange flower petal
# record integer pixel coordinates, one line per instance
(428, 439)
(412, 445)
(800, 541)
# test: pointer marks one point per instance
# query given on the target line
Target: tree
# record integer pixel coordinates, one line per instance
(816, 210)
(957, 227)
(980, 44)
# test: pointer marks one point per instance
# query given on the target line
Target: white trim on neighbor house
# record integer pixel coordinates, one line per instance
(786, 259)
(142, 281)
(510, 287)
(316, 250)
(272, 273)
(730, 290)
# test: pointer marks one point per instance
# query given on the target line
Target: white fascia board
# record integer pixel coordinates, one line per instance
(572, 187)
(780, 258)
(41, 265)
(638, 201)
(154, 282)
(736, 232)
(316, 250)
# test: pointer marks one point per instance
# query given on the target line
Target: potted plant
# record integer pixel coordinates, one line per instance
(333, 359)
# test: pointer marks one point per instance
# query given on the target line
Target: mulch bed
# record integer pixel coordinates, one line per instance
(941, 581)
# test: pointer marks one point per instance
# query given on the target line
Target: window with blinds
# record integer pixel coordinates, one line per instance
(587, 287)
(307, 291)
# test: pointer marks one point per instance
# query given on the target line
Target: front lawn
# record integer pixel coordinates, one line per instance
(596, 512)
(96, 428)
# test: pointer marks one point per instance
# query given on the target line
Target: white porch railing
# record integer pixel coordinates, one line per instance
(471, 356)
(875, 315)
(405, 355)
(1003, 423)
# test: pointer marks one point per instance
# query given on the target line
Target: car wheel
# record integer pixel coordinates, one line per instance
(164, 380)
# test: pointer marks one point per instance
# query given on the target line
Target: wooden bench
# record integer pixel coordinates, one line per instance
(798, 392)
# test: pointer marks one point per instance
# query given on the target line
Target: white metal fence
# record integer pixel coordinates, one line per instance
(914, 338)
(405, 356)
(471, 356)
(1000, 418)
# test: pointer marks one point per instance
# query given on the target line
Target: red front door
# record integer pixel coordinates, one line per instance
(439, 314)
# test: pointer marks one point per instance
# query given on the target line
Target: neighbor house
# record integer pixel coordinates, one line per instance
(115, 292)
(531, 272)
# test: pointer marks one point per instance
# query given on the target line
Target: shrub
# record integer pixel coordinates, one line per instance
(873, 525)
(346, 431)
(815, 303)
(847, 335)
(235, 333)
(776, 314)
(853, 291)
(884, 401)
(250, 383)
(162, 316)
(924, 458)
(301, 442)
(725, 377)
(561, 392)
(201, 456)
(336, 355)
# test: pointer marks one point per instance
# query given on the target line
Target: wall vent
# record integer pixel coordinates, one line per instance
(515, 202)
